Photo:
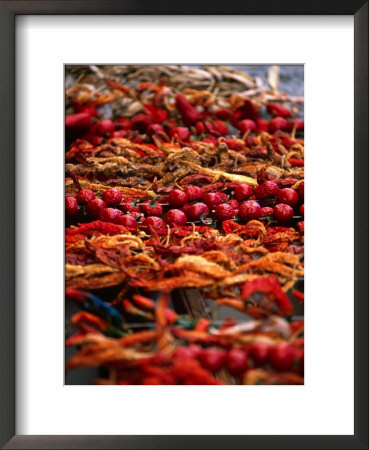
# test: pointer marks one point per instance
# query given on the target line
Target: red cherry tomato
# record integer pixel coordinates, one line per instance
(194, 193)
(212, 199)
(288, 196)
(234, 204)
(283, 212)
(300, 190)
(176, 217)
(128, 206)
(259, 351)
(242, 192)
(185, 353)
(194, 212)
(110, 215)
(249, 210)
(224, 211)
(112, 197)
(128, 221)
(84, 196)
(94, 207)
(71, 206)
(177, 198)
(236, 361)
(213, 358)
(282, 356)
(266, 211)
(150, 208)
(266, 190)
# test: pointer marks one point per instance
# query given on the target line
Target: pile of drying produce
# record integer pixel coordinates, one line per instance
(184, 188)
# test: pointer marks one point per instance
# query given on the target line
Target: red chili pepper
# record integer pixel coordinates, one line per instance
(287, 142)
(156, 129)
(84, 109)
(131, 309)
(268, 285)
(183, 231)
(138, 151)
(236, 117)
(161, 308)
(223, 113)
(189, 114)
(85, 316)
(300, 226)
(249, 110)
(299, 295)
(202, 325)
(118, 86)
(158, 115)
(246, 125)
(138, 140)
(170, 316)
(286, 182)
(153, 381)
(73, 340)
(191, 372)
(93, 139)
(258, 153)
(140, 337)
(140, 122)
(180, 133)
(221, 127)
(297, 325)
(278, 229)
(104, 127)
(296, 162)
(276, 247)
(200, 127)
(262, 125)
(209, 140)
(214, 187)
(278, 110)
(278, 123)
(229, 226)
(233, 144)
(208, 127)
(228, 322)
(144, 302)
(124, 122)
(77, 123)
(196, 178)
(97, 225)
(297, 123)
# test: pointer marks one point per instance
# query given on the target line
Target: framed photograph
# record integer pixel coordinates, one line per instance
(155, 257)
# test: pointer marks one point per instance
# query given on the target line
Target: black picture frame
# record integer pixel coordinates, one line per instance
(8, 11)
